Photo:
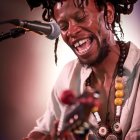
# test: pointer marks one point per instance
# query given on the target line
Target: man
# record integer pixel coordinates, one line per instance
(105, 65)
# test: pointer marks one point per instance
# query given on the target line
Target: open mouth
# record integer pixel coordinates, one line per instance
(82, 46)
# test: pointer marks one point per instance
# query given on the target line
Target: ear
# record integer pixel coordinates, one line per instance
(110, 13)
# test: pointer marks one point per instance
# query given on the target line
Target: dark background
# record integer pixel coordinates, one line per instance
(28, 71)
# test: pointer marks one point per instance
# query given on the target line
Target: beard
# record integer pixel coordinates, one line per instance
(103, 53)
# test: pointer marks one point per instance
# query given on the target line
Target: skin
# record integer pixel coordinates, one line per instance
(88, 23)
(76, 25)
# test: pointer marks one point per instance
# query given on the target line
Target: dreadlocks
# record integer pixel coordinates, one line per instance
(121, 7)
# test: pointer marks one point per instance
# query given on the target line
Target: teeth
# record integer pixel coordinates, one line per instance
(83, 51)
(77, 44)
(82, 41)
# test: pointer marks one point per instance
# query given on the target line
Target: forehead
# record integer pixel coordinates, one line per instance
(69, 7)
(64, 5)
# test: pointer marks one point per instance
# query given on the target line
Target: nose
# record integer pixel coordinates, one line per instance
(73, 30)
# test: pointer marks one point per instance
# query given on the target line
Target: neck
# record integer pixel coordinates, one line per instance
(108, 65)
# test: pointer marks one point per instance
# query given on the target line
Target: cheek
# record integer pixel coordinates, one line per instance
(102, 29)
(97, 24)
(93, 25)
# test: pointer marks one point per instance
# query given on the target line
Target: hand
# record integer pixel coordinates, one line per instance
(67, 135)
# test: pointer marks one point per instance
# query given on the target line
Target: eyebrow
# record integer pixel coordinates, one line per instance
(73, 15)
(79, 12)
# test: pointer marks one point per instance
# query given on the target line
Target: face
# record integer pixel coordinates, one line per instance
(83, 29)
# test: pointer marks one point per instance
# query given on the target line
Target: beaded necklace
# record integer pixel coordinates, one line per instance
(114, 132)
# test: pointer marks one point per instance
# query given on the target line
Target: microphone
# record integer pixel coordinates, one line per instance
(51, 29)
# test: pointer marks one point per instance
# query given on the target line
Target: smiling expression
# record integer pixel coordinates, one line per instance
(83, 29)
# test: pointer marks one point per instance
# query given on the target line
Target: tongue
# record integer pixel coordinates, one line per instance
(84, 46)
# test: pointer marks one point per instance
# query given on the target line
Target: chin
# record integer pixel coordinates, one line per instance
(90, 62)
(87, 62)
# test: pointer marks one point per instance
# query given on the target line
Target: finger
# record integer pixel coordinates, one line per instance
(67, 136)
(54, 130)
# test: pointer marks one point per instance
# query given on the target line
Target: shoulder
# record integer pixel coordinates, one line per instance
(64, 78)
(72, 64)
(133, 57)
(134, 48)
(69, 68)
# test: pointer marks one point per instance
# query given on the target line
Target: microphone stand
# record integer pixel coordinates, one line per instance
(13, 33)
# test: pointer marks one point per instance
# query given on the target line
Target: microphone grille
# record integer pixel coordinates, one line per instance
(55, 31)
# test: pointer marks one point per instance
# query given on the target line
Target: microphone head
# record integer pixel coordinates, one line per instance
(67, 97)
(55, 31)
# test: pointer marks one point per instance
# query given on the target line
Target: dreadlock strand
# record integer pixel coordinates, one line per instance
(87, 2)
(55, 50)
(130, 9)
(44, 15)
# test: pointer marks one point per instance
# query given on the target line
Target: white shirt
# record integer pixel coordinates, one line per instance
(73, 77)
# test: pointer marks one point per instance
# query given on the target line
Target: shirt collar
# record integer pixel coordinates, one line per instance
(132, 58)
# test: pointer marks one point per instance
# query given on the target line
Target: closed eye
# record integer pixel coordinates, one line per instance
(63, 26)
(80, 19)
(80, 16)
